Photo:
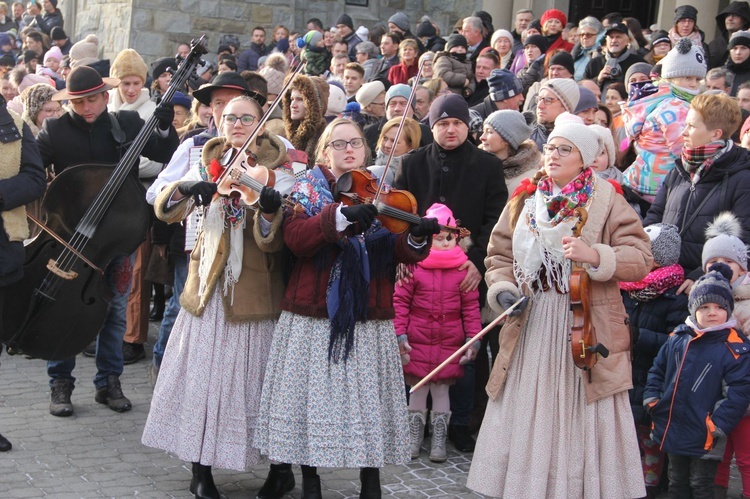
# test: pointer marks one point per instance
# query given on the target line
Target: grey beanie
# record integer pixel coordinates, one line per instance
(581, 136)
(665, 243)
(638, 67)
(723, 240)
(740, 38)
(511, 126)
(401, 20)
(714, 287)
(685, 59)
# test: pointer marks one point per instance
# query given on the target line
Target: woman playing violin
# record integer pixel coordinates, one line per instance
(334, 390)
(206, 399)
(551, 430)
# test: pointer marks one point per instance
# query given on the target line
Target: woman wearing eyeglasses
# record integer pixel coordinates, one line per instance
(333, 395)
(206, 399)
(550, 430)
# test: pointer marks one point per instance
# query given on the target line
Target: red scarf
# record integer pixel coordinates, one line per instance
(655, 283)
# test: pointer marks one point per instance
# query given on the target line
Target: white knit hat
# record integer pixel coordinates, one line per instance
(566, 90)
(84, 52)
(369, 92)
(608, 142)
(685, 59)
(581, 136)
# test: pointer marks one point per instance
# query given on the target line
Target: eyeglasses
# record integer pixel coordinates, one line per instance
(245, 119)
(377, 103)
(340, 145)
(562, 150)
(586, 35)
(548, 100)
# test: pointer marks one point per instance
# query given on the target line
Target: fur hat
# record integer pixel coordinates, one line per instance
(608, 143)
(84, 52)
(278, 62)
(449, 106)
(723, 240)
(510, 125)
(685, 59)
(34, 97)
(665, 242)
(369, 92)
(713, 287)
(442, 213)
(554, 14)
(129, 63)
(740, 38)
(401, 20)
(585, 139)
(566, 90)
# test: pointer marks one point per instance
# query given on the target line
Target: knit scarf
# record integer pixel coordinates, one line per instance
(694, 37)
(560, 206)
(683, 93)
(698, 161)
(611, 173)
(446, 259)
(618, 59)
(655, 283)
(693, 323)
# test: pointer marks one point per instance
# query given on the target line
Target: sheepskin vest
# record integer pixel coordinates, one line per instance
(14, 221)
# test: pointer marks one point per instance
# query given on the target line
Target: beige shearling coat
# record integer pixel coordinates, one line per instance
(614, 230)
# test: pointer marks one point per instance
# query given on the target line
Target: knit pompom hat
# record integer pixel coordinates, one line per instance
(723, 240)
(608, 143)
(581, 136)
(129, 63)
(34, 97)
(84, 52)
(510, 125)
(310, 39)
(53, 53)
(274, 79)
(665, 243)
(713, 287)
(685, 59)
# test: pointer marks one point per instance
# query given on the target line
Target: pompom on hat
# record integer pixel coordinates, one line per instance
(713, 287)
(723, 240)
(310, 39)
(685, 59)
(84, 52)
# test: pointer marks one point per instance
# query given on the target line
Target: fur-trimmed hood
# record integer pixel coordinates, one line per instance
(527, 158)
(304, 134)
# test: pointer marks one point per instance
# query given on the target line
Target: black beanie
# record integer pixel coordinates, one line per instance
(425, 28)
(345, 20)
(160, 66)
(456, 40)
(563, 59)
(57, 33)
(449, 106)
(538, 40)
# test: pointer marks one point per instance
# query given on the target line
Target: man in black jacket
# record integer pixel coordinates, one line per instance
(454, 172)
(89, 134)
(614, 63)
(735, 17)
(51, 18)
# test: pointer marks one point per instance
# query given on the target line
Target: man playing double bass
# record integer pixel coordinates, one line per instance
(89, 134)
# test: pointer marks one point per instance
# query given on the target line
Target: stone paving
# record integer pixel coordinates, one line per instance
(97, 452)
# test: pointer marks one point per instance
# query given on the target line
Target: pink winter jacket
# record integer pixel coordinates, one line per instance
(437, 318)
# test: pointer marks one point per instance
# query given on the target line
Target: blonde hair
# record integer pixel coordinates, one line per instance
(407, 42)
(719, 111)
(325, 138)
(515, 205)
(411, 132)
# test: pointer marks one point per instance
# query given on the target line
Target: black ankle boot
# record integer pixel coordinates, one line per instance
(311, 483)
(280, 480)
(202, 484)
(370, 478)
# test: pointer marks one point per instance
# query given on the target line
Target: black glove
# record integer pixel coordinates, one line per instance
(425, 227)
(506, 299)
(269, 200)
(363, 214)
(164, 115)
(201, 191)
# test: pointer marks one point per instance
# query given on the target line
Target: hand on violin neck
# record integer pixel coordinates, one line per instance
(201, 191)
(363, 214)
(269, 200)
(425, 228)
(164, 115)
(580, 252)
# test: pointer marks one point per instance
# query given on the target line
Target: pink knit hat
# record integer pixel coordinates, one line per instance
(53, 53)
(443, 214)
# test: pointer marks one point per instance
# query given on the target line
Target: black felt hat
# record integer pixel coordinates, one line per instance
(84, 81)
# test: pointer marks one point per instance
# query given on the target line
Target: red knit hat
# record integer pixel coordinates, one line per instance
(554, 14)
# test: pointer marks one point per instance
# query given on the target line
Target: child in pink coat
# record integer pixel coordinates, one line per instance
(435, 318)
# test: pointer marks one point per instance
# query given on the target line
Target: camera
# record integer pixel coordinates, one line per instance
(615, 72)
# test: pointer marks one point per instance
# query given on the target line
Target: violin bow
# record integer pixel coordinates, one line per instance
(469, 343)
(399, 129)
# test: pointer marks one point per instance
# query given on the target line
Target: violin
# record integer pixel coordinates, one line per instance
(242, 177)
(397, 208)
(583, 344)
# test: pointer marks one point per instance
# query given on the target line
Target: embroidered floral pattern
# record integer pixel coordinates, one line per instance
(577, 193)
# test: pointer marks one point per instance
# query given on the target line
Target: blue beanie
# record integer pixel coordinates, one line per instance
(398, 90)
(180, 99)
(713, 287)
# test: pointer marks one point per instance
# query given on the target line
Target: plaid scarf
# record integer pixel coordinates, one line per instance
(697, 161)
(655, 283)
(577, 193)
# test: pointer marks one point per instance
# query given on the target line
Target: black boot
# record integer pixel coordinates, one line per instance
(311, 483)
(5, 445)
(370, 478)
(202, 484)
(461, 438)
(280, 480)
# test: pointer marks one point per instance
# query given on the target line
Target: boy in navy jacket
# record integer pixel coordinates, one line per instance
(699, 386)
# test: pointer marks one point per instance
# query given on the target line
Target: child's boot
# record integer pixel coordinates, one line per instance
(417, 422)
(439, 422)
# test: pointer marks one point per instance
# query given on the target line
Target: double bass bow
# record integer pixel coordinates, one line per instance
(583, 343)
(92, 214)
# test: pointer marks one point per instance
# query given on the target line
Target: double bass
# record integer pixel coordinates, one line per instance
(92, 214)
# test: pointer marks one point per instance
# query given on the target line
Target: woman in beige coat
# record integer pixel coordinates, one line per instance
(550, 430)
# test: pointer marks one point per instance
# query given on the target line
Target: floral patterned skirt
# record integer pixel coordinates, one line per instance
(348, 414)
(205, 404)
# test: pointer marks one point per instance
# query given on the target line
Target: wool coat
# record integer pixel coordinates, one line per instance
(614, 230)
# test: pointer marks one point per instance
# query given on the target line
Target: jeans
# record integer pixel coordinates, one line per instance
(691, 477)
(117, 278)
(462, 397)
(172, 308)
